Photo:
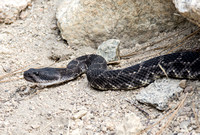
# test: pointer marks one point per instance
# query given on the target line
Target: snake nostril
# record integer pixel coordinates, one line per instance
(26, 74)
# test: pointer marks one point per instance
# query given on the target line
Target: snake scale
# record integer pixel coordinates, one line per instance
(176, 65)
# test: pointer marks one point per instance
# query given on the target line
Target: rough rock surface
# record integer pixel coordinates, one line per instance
(189, 9)
(109, 50)
(11, 9)
(159, 93)
(90, 22)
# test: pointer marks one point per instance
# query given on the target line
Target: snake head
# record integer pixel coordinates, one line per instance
(47, 76)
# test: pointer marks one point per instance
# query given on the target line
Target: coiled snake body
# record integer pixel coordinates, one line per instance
(175, 65)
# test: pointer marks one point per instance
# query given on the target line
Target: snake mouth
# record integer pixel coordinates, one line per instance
(28, 77)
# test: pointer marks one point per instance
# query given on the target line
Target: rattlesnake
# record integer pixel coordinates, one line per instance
(175, 65)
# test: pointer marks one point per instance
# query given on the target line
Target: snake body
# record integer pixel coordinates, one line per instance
(176, 65)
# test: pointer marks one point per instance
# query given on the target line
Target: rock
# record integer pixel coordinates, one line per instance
(79, 114)
(183, 84)
(5, 50)
(109, 50)
(76, 132)
(10, 9)
(159, 93)
(130, 125)
(185, 124)
(90, 22)
(6, 68)
(189, 89)
(189, 9)
(35, 125)
(110, 126)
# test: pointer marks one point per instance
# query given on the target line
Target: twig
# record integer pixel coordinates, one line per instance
(46, 126)
(113, 62)
(141, 110)
(195, 114)
(14, 72)
(136, 52)
(151, 126)
(172, 116)
(163, 70)
(11, 80)
(185, 38)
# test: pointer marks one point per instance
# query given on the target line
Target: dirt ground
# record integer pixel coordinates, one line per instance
(74, 107)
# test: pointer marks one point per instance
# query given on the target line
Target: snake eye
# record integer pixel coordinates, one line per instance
(37, 73)
(28, 74)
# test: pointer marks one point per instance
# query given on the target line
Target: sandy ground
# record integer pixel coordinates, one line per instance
(33, 41)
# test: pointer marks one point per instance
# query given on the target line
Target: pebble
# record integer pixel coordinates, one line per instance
(24, 15)
(110, 126)
(5, 50)
(130, 125)
(184, 124)
(79, 114)
(88, 127)
(6, 68)
(76, 132)
(35, 125)
(183, 84)
(189, 89)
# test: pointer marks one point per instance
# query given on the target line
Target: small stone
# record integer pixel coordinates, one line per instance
(53, 27)
(184, 124)
(24, 15)
(104, 105)
(35, 125)
(183, 84)
(79, 114)
(109, 50)
(189, 89)
(7, 69)
(76, 132)
(5, 50)
(6, 90)
(31, 108)
(130, 125)
(88, 127)
(110, 126)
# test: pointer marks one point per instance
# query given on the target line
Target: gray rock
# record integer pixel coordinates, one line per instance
(159, 93)
(189, 9)
(90, 22)
(109, 50)
(10, 9)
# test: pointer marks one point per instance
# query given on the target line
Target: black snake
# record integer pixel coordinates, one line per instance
(175, 65)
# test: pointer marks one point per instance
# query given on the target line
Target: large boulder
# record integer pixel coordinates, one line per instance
(90, 22)
(189, 9)
(11, 9)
